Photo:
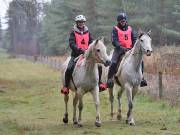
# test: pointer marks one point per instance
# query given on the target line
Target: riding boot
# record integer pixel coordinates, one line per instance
(100, 73)
(65, 89)
(68, 76)
(143, 81)
(111, 72)
(102, 86)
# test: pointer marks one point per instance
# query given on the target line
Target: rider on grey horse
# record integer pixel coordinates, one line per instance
(79, 40)
(123, 39)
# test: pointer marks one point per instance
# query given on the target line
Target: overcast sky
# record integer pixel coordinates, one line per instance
(3, 8)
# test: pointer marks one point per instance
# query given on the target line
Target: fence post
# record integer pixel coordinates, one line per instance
(160, 85)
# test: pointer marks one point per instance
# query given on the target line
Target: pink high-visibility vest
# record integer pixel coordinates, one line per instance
(82, 40)
(124, 37)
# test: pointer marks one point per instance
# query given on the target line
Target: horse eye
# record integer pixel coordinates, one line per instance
(98, 50)
(141, 40)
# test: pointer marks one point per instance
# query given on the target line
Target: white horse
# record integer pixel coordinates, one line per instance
(129, 74)
(85, 79)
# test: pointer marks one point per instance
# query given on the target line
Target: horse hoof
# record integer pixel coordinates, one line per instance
(97, 124)
(80, 125)
(132, 124)
(65, 120)
(75, 122)
(119, 117)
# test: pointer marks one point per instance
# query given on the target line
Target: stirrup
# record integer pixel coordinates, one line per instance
(102, 87)
(65, 90)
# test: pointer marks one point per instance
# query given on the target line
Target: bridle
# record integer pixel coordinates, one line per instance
(142, 49)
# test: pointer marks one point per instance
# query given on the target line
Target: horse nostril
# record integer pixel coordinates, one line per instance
(149, 53)
(108, 62)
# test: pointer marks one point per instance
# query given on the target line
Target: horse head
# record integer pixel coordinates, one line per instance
(145, 42)
(99, 53)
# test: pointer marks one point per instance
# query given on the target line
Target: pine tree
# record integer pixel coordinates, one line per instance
(0, 34)
(22, 28)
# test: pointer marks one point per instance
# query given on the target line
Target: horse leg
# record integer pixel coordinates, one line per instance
(80, 106)
(134, 91)
(111, 99)
(66, 98)
(95, 94)
(130, 119)
(75, 100)
(119, 116)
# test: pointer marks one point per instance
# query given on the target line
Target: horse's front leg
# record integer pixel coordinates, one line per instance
(111, 99)
(95, 94)
(80, 106)
(130, 119)
(66, 98)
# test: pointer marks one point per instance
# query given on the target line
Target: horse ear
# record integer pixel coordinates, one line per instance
(140, 33)
(102, 39)
(96, 41)
(149, 32)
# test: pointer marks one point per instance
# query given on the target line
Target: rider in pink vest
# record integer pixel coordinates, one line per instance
(79, 40)
(123, 39)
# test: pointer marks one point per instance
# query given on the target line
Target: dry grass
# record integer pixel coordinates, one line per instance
(164, 59)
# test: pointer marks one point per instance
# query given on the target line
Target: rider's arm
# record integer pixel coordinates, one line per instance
(90, 38)
(114, 39)
(72, 42)
(133, 37)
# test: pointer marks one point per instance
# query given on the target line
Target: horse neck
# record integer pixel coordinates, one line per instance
(137, 54)
(89, 59)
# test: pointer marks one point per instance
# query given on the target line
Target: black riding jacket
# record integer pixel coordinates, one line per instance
(72, 40)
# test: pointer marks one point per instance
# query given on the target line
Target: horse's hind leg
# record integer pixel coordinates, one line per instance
(66, 98)
(130, 119)
(80, 106)
(75, 100)
(119, 116)
(111, 99)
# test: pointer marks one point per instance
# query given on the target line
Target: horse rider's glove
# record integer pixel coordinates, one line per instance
(126, 49)
(81, 51)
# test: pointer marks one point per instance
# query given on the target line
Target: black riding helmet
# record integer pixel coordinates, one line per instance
(121, 16)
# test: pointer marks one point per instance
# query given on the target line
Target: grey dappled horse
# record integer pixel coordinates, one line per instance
(129, 74)
(85, 79)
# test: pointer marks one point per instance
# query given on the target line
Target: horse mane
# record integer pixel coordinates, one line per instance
(122, 62)
(87, 53)
(124, 58)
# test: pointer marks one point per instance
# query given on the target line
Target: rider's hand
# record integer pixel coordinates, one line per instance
(81, 51)
(126, 49)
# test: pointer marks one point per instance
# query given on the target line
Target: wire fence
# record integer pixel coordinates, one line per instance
(53, 62)
(160, 84)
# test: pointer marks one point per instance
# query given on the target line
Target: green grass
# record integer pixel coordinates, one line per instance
(30, 104)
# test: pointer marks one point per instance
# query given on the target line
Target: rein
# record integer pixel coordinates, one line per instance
(140, 50)
(97, 57)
